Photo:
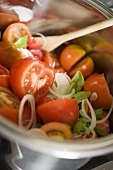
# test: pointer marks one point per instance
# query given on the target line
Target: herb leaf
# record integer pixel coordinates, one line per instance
(22, 41)
(77, 82)
(79, 96)
(100, 131)
(81, 126)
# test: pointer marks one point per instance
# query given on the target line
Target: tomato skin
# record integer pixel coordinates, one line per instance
(56, 126)
(61, 110)
(12, 114)
(9, 113)
(3, 70)
(33, 43)
(86, 66)
(44, 100)
(97, 83)
(37, 53)
(7, 19)
(70, 56)
(15, 31)
(26, 76)
(9, 54)
(4, 81)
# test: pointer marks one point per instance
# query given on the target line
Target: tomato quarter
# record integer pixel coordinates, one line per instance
(61, 110)
(97, 83)
(31, 76)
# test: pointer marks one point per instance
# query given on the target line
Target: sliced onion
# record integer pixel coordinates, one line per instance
(30, 98)
(63, 82)
(93, 120)
(92, 137)
(93, 116)
(93, 97)
(43, 38)
(75, 135)
(38, 132)
(84, 111)
(62, 96)
(108, 114)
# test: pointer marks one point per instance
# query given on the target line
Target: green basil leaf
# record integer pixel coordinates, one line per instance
(79, 96)
(22, 41)
(77, 82)
(100, 131)
(81, 126)
(98, 113)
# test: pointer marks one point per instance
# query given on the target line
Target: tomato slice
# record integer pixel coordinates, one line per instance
(61, 110)
(57, 130)
(31, 76)
(15, 31)
(97, 83)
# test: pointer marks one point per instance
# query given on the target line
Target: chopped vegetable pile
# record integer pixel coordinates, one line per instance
(59, 94)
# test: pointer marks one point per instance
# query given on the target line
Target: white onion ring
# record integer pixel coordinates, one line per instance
(93, 119)
(30, 98)
(43, 38)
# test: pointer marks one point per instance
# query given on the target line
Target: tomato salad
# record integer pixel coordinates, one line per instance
(62, 97)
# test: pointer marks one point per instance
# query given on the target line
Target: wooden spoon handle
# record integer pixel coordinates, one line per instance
(53, 42)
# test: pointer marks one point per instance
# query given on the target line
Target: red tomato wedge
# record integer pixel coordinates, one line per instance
(61, 110)
(97, 83)
(31, 76)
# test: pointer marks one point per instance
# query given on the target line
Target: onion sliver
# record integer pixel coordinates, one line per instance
(108, 114)
(84, 111)
(30, 98)
(92, 137)
(38, 132)
(43, 38)
(93, 119)
(62, 96)
(63, 82)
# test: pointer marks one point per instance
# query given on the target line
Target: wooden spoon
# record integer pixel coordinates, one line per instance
(52, 42)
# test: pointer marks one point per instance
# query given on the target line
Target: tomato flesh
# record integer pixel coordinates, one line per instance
(32, 76)
(61, 110)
